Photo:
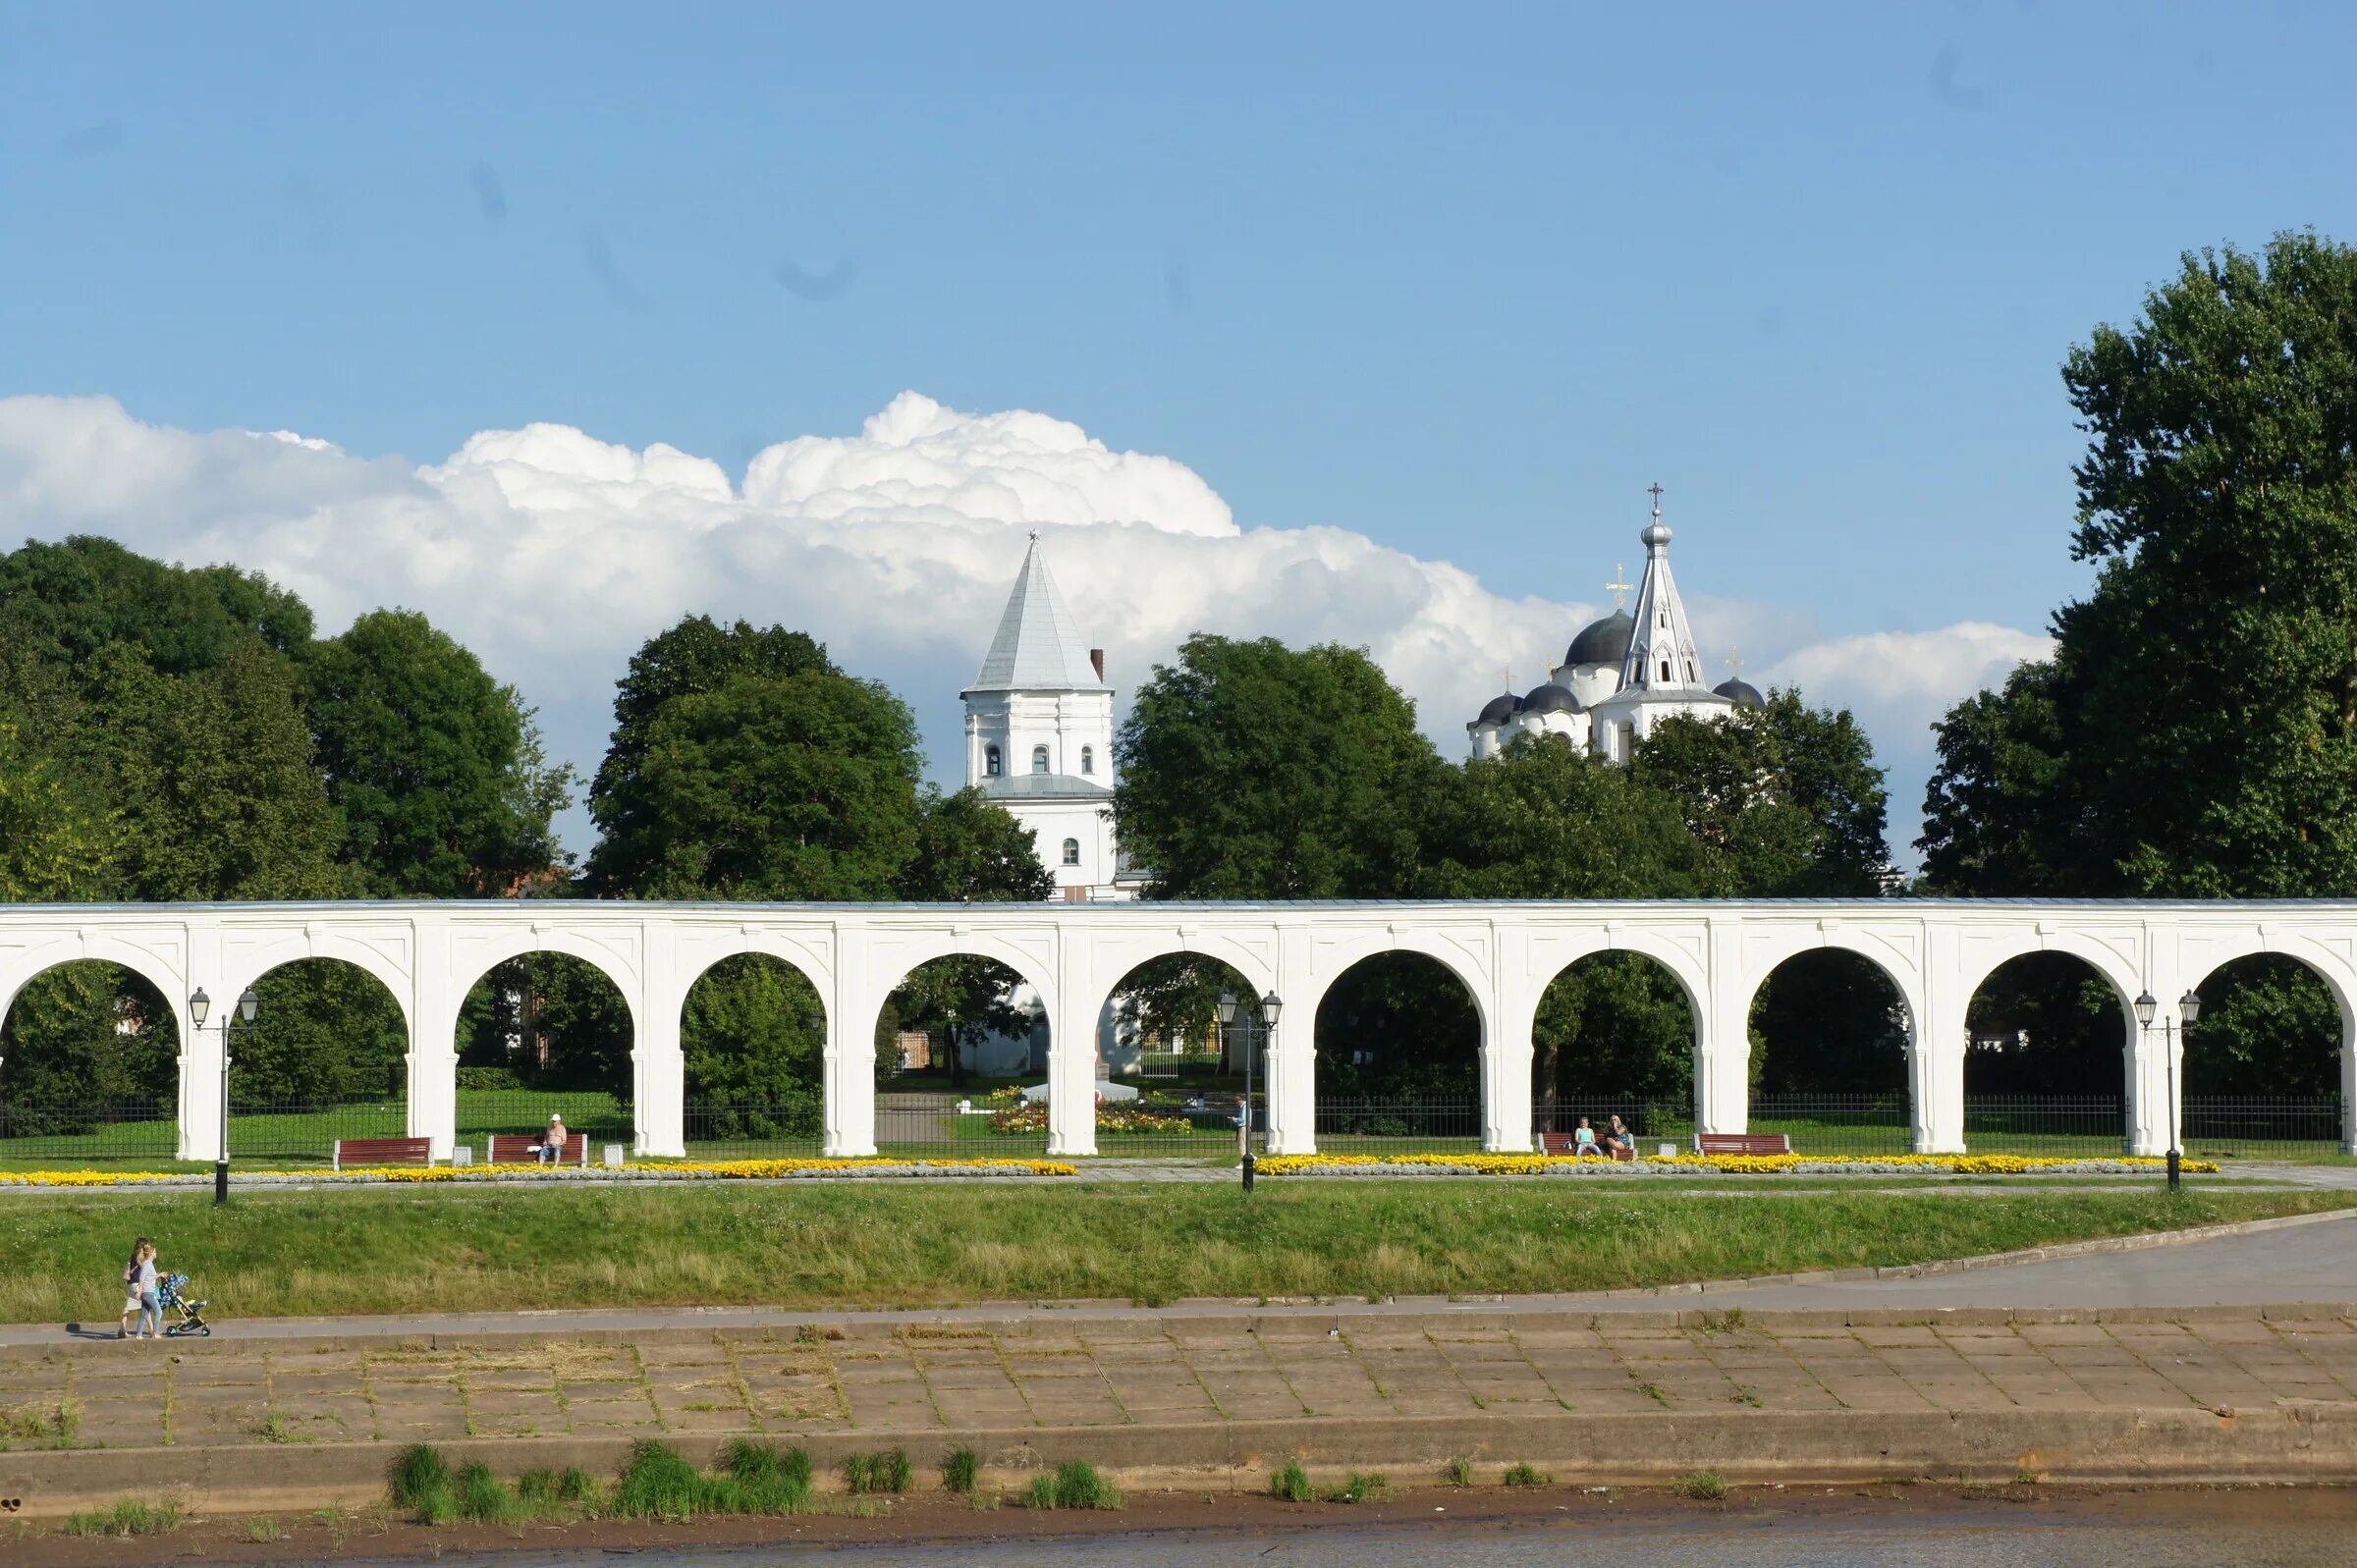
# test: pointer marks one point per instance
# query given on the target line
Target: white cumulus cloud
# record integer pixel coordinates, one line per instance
(554, 555)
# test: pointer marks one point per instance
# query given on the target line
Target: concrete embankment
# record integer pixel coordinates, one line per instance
(1218, 1402)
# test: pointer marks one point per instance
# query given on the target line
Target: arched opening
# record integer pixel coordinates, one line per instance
(2262, 1063)
(1088, 759)
(1614, 1036)
(1398, 1044)
(1072, 851)
(1829, 1056)
(90, 1068)
(753, 1036)
(962, 1062)
(326, 1059)
(1039, 759)
(2045, 1070)
(992, 765)
(1175, 1078)
(542, 1034)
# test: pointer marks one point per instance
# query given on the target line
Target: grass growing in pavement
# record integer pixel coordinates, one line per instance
(126, 1518)
(472, 1249)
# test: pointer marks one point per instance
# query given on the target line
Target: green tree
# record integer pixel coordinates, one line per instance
(1786, 798)
(751, 1045)
(1250, 770)
(435, 766)
(324, 1032)
(55, 841)
(2195, 733)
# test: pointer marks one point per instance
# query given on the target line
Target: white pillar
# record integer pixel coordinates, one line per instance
(1723, 1052)
(1505, 1065)
(847, 1060)
(2148, 1070)
(1935, 1050)
(433, 1088)
(200, 1084)
(1071, 1009)
(2348, 1077)
(1289, 1060)
(201, 1048)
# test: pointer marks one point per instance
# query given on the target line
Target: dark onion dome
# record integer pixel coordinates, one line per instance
(1742, 693)
(1604, 642)
(1551, 698)
(1499, 709)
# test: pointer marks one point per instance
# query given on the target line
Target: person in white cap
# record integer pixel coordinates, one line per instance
(551, 1148)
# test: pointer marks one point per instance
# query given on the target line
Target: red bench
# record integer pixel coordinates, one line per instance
(382, 1152)
(1742, 1143)
(1564, 1143)
(517, 1150)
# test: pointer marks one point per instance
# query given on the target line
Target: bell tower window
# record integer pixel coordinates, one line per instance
(1088, 759)
(991, 767)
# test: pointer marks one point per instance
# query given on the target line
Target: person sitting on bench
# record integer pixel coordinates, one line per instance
(550, 1150)
(1583, 1140)
(1619, 1141)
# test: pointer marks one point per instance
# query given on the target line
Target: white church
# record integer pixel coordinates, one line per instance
(1040, 736)
(1621, 675)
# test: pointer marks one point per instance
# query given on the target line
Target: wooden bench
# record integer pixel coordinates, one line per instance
(517, 1149)
(1742, 1143)
(382, 1152)
(1564, 1143)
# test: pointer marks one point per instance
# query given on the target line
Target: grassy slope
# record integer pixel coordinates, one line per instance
(394, 1249)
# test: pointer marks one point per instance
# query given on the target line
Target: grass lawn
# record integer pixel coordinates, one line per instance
(454, 1249)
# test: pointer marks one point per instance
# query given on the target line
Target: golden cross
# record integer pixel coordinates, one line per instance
(1734, 662)
(1618, 587)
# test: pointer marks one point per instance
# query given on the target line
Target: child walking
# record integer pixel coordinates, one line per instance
(130, 1287)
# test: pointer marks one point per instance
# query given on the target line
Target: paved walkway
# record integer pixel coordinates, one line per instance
(1140, 1368)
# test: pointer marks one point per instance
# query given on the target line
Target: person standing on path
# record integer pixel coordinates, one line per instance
(131, 1288)
(151, 1312)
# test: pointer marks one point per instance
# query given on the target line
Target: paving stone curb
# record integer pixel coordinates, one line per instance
(2296, 1443)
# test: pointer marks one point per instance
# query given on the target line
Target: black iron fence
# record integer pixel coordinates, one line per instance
(1650, 1121)
(723, 1131)
(2232, 1128)
(1402, 1126)
(72, 1136)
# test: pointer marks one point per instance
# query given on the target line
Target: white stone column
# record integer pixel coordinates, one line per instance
(847, 1060)
(201, 1048)
(658, 1069)
(2151, 1058)
(1290, 1059)
(2348, 1080)
(1505, 1065)
(1072, 1007)
(1723, 1039)
(1935, 1050)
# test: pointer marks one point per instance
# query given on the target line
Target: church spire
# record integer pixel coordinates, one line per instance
(1038, 646)
(1661, 645)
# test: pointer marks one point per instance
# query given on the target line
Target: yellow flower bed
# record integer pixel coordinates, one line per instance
(738, 1169)
(1734, 1165)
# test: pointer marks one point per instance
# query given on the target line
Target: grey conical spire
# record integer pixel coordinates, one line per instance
(1661, 645)
(1038, 646)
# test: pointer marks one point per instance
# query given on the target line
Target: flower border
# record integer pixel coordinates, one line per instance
(1505, 1164)
(635, 1170)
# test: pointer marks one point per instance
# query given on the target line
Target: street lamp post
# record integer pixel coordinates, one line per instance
(1262, 1016)
(232, 1025)
(2189, 1007)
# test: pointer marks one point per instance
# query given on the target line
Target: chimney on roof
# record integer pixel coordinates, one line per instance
(1096, 657)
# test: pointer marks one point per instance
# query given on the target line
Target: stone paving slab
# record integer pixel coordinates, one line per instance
(1244, 1367)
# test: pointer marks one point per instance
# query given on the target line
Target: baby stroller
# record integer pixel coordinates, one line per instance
(173, 1291)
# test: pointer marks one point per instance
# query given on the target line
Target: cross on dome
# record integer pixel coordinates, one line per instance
(1620, 587)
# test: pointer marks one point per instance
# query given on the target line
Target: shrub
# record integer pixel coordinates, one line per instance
(1704, 1485)
(1523, 1476)
(1292, 1484)
(417, 1472)
(767, 1481)
(129, 1517)
(481, 1498)
(1074, 1484)
(959, 1470)
(657, 1483)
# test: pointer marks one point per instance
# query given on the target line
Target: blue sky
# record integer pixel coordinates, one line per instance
(1462, 280)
